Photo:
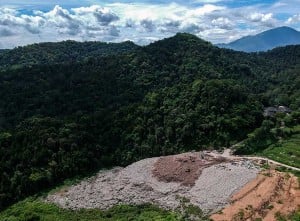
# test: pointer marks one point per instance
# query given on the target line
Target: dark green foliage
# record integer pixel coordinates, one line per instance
(190, 116)
(62, 52)
(62, 120)
(277, 138)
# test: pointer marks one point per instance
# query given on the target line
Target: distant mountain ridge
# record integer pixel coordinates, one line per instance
(266, 40)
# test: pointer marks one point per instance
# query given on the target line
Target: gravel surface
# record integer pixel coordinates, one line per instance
(135, 184)
(217, 183)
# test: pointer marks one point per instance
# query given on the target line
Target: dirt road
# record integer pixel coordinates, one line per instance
(272, 162)
(228, 154)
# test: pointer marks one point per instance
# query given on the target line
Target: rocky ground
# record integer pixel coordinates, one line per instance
(207, 181)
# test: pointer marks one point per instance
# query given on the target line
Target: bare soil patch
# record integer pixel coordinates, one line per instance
(269, 194)
(184, 168)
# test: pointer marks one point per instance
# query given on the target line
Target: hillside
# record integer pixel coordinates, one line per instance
(59, 120)
(266, 40)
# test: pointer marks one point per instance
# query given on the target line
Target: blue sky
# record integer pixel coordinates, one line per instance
(31, 21)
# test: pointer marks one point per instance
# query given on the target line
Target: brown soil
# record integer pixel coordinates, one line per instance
(184, 168)
(269, 194)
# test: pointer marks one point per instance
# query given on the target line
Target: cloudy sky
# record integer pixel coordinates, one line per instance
(28, 21)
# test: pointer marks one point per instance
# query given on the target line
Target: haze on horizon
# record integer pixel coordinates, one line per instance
(218, 21)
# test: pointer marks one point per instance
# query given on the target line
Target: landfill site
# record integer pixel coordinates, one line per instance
(222, 186)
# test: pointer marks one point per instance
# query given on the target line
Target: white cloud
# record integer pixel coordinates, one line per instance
(294, 19)
(260, 17)
(11, 21)
(103, 15)
(139, 22)
(263, 19)
(223, 23)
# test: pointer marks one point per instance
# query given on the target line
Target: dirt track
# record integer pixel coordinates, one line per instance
(272, 162)
(228, 155)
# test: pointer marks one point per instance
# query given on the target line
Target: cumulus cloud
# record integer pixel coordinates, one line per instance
(61, 20)
(103, 15)
(223, 23)
(82, 21)
(10, 21)
(294, 19)
(264, 19)
(139, 22)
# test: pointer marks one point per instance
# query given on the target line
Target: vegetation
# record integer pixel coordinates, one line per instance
(36, 210)
(277, 139)
(291, 217)
(65, 113)
(286, 151)
(61, 52)
(190, 211)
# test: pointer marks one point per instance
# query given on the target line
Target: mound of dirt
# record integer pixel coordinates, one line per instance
(269, 194)
(185, 168)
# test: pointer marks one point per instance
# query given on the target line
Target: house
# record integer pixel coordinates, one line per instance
(284, 109)
(271, 111)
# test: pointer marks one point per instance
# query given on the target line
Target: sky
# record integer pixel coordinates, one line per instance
(25, 22)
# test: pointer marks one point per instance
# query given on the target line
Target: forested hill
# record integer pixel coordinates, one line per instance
(283, 57)
(61, 52)
(62, 118)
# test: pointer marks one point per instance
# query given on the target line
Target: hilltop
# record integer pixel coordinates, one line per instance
(61, 52)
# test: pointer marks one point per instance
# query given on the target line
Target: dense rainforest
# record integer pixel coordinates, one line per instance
(70, 108)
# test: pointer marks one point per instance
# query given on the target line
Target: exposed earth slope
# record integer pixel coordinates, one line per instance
(271, 194)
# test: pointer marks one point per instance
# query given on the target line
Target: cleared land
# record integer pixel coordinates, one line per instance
(139, 183)
(270, 195)
(232, 185)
